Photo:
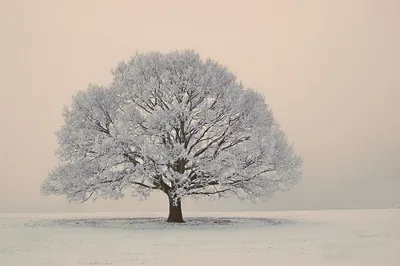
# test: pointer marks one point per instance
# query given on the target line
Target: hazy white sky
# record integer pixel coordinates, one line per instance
(329, 70)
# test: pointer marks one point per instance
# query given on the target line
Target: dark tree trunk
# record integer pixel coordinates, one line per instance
(175, 212)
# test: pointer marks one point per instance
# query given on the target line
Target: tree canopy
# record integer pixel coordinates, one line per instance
(171, 122)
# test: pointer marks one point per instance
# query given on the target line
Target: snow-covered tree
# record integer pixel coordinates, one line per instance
(176, 123)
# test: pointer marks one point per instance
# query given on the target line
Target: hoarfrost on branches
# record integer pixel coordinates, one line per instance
(175, 123)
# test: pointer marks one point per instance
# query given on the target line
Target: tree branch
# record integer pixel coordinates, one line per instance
(144, 185)
(209, 193)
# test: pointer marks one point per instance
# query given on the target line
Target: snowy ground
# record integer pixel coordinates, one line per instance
(361, 237)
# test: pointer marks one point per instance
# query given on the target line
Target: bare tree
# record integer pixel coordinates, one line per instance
(175, 123)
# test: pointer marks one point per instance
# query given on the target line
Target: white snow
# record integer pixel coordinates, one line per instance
(353, 237)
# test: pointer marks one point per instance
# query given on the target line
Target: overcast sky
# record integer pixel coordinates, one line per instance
(328, 69)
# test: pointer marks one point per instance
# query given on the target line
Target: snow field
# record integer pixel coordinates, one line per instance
(353, 237)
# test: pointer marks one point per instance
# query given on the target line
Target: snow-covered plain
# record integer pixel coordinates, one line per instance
(356, 237)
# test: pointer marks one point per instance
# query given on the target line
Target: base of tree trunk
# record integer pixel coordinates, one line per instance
(175, 212)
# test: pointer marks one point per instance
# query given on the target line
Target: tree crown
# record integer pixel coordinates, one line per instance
(172, 122)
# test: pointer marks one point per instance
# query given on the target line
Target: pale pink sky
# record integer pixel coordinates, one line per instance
(329, 70)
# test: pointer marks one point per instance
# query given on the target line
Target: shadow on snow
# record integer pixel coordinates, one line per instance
(158, 223)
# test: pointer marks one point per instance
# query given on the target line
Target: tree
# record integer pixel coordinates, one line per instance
(175, 123)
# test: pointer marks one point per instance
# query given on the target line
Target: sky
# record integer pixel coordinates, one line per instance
(328, 69)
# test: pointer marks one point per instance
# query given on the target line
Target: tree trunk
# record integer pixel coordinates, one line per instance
(175, 212)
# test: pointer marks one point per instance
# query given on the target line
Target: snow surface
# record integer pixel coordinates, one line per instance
(356, 237)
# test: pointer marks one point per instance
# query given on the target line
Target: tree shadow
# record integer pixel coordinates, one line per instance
(159, 223)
